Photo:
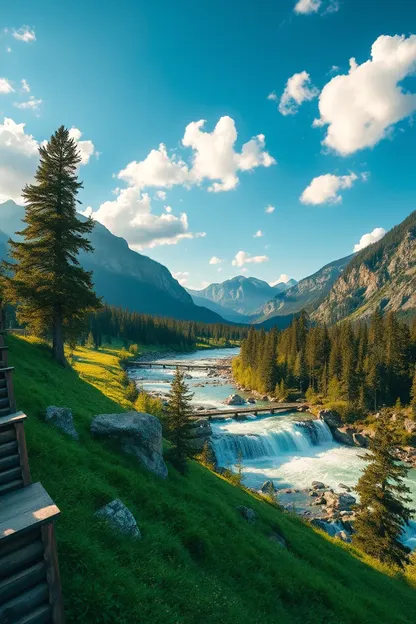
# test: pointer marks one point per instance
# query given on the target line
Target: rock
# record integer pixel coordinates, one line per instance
(267, 487)
(234, 399)
(318, 485)
(344, 487)
(360, 440)
(119, 517)
(345, 501)
(278, 539)
(343, 535)
(331, 417)
(251, 400)
(247, 513)
(331, 499)
(343, 436)
(61, 417)
(410, 425)
(264, 398)
(138, 434)
(319, 524)
(288, 491)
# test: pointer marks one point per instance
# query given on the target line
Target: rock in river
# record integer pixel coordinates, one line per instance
(234, 399)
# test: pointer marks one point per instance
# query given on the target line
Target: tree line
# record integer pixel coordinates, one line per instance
(367, 364)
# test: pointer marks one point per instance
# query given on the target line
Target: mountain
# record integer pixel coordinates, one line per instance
(382, 275)
(226, 313)
(122, 276)
(244, 295)
(307, 293)
(282, 286)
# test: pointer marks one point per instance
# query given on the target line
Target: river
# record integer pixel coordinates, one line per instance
(274, 447)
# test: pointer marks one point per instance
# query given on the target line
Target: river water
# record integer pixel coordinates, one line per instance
(276, 447)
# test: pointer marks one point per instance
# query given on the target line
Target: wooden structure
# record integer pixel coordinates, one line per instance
(180, 365)
(30, 588)
(243, 411)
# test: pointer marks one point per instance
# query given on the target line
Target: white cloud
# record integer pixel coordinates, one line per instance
(269, 209)
(215, 157)
(160, 195)
(5, 86)
(258, 234)
(307, 6)
(24, 34)
(325, 188)
(360, 108)
(168, 208)
(86, 148)
(370, 238)
(18, 160)
(130, 215)
(8, 49)
(298, 89)
(284, 278)
(30, 104)
(242, 258)
(181, 276)
(215, 260)
(25, 86)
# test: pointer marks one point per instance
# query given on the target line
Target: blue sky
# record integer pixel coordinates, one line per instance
(130, 76)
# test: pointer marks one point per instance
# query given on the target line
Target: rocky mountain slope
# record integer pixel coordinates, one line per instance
(244, 295)
(226, 313)
(307, 293)
(121, 276)
(382, 275)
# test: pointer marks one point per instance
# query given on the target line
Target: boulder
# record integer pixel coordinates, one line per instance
(267, 487)
(251, 400)
(343, 535)
(247, 513)
(138, 434)
(344, 487)
(318, 485)
(319, 524)
(360, 440)
(278, 539)
(410, 425)
(332, 418)
(120, 518)
(61, 417)
(234, 399)
(343, 436)
(346, 501)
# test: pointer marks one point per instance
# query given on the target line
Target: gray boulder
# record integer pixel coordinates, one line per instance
(138, 434)
(120, 518)
(361, 440)
(343, 436)
(343, 536)
(318, 485)
(247, 513)
(331, 418)
(234, 399)
(61, 417)
(278, 539)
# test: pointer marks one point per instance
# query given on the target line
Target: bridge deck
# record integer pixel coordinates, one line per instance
(176, 364)
(239, 411)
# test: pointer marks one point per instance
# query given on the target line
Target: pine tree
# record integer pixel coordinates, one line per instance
(413, 395)
(90, 344)
(178, 421)
(238, 475)
(53, 293)
(382, 512)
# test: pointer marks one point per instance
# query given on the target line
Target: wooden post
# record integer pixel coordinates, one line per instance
(10, 390)
(52, 573)
(24, 461)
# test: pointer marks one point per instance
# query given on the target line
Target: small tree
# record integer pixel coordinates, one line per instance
(382, 513)
(53, 293)
(238, 475)
(90, 344)
(132, 393)
(206, 457)
(179, 421)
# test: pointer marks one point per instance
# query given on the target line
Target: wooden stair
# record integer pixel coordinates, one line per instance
(30, 587)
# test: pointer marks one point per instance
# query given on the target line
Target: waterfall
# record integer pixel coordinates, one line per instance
(286, 437)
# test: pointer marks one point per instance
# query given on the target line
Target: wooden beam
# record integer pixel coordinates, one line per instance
(52, 573)
(24, 459)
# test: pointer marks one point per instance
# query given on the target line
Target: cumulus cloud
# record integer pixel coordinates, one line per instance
(325, 189)
(5, 86)
(31, 104)
(25, 34)
(360, 108)
(298, 89)
(215, 260)
(160, 195)
(18, 160)
(25, 86)
(307, 6)
(269, 209)
(86, 148)
(258, 234)
(168, 208)
(242, 258)
(370, 238)
(181, 276)
(214, 160)
(130, 215)
(282, 279)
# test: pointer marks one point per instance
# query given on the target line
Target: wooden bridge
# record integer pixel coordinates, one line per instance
(181, 365)
(238, 412)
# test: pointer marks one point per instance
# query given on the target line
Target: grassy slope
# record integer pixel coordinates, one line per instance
(198, 559)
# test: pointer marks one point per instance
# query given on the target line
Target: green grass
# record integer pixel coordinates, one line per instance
(198, 561)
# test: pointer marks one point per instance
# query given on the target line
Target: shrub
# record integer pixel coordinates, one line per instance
(132, 393)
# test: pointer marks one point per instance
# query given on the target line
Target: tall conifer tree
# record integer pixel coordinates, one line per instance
(179, 421)
(53, 293)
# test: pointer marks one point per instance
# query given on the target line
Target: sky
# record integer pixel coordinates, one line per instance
(257, 138)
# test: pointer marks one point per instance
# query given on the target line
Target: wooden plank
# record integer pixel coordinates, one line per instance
(18, 559)
(18, 541)
(12, 418)
(10, 475)
(25, 509)
(24, 458)
(52, 573)
(7, 488)
(25, 603)
(41, 615)
(6, 369)
(10, 390)
(21, 581)
(8, 449)
(9, 462)
(7, 434)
